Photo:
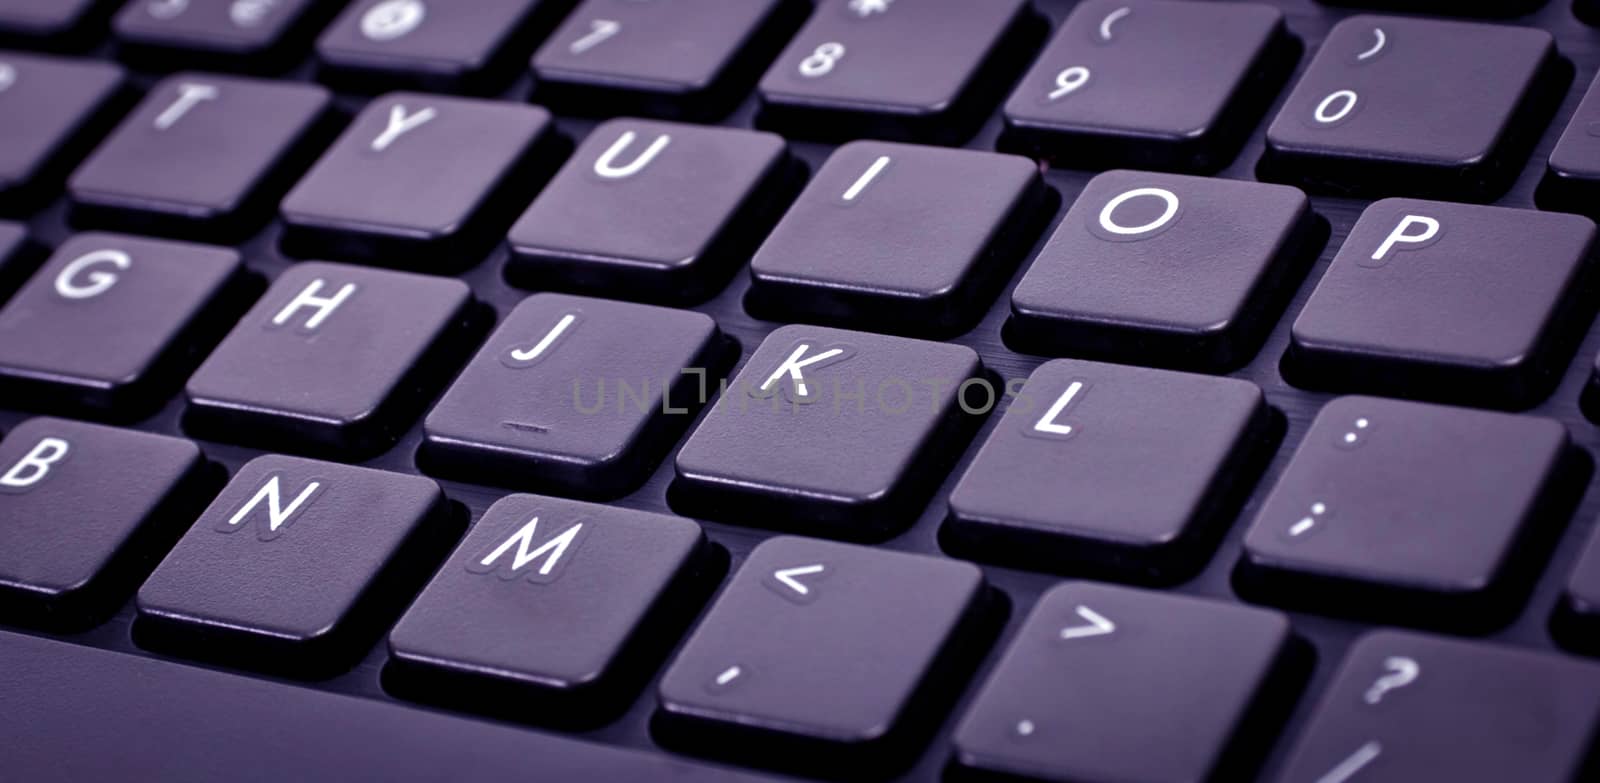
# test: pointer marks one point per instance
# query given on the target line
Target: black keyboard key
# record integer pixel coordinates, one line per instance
(900, 238)
(1151, 84)
(1498, 8)
(1166, 269)
(420, 181)
(924, 71)
(296, 566)
(52, 111)
(1572, 177)
(653, 210)
(1411, 512)
(1406, 707)
(333, 358)
(831, 432)
(1453, 302)
(88, 510)
(552, 610)
(689, 60)
(202, 153)
(579, 396)
(250, 35)
(795, 664)
(111, 324)
(1577, 620)
(1111, 470)
(55, 24)
(1089, 689)
(19, 257)
(433, 44)
(1417, 107)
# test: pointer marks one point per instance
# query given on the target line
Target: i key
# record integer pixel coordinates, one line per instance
(51, 111)
(1572, 177)
(1105, 469)
(794, 663)
(1455, 302)
(653, 210)
(1085, 692)
(436, 45)
(333, 357)
(577, 395)
(1180, 271)
(249, 35)
(87, 511)
(900, 238)
(111, 324)
(1412, 512)
(295, 567)
(552, 611)
(420, 181)
(689, 59)
(1387, 107)
(1407, 706)
(832, 432)
(923, 71)
(1151, 84)
(201, 153)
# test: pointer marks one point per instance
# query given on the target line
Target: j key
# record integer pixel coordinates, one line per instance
(417, 178)
(51, 111)
(1414, 512)
(333, 357)
(295, 566)
(796, 658)
(552, 610)
(253, 35)
(1407, 706)
(653, 210)
(1577, 620)
(900, 238)
(1105, 469)
(1572, 178)
(581, 396)
(111, 324)
(441, 45)
(1085, 691)
(56, 24)
(18, 257)
(689, 60)
(1455, 302)
(202, 152)
(832, 432)
(924, 71)
(1174, 270)
(1151, 84)
(87, 511)
(1390, 106)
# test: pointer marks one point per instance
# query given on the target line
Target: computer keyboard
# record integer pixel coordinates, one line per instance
(1116, 390)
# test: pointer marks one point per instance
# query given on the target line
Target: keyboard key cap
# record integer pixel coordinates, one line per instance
(1404, 511)
(1454, 302)
(1087, 689)
(617, 219)
(1407, 707)
(87, 511)
(688, 60)
(51, 24)
(581, 396)
(249, 35)
(421, 181)
(1109, 470)
(1577, 620)
(795, 663)
(111, 324)
(295, 567)
(433, 44)
(924, 71)
(1460, 7)
(1151, 84)
(1572, 178)
(831, 432)
(552, 610)
(52, 110)
(19, 257)
(1393, 106)
(202, 153)
(900, 238)
(333, 358)
(1166, 269)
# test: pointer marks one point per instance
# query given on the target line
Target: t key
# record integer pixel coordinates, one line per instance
(921, 71)
(51, 111)
(1390, 106)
